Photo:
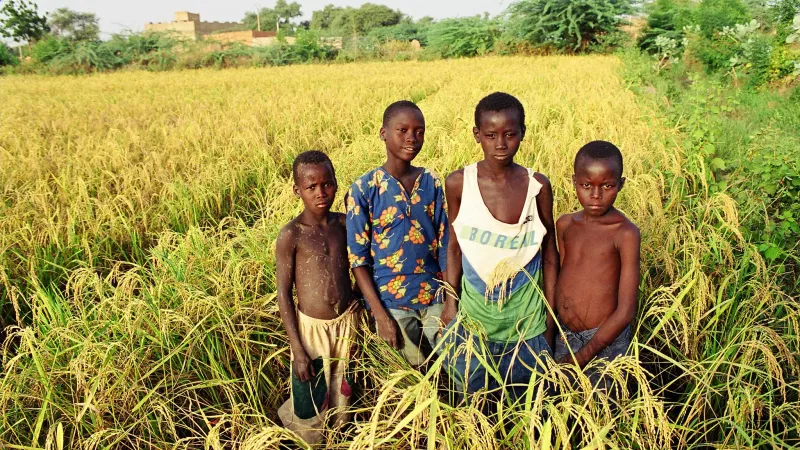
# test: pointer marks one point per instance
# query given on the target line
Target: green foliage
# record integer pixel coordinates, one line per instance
(571, 25)
(7, 57)
(365, 18)
(74, 25)
(50, 48)
(21, 21)
(464, 37)
(665, 18)
(402, 32)
(714, 15)
(323, 19)
(266, 19)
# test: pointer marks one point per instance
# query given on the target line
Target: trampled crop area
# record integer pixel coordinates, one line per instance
(137, 233)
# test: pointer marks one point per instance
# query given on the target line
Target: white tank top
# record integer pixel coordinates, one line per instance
(492, 248)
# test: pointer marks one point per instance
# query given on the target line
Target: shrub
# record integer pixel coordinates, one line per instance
(714, 15)
(7, 56)
(571, 25)
(464, 37)
(50, 48)
(402, 32)
(665, 18)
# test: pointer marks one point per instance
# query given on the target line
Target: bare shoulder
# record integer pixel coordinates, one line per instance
(565, 221)
(456, 176)
(341, 219)
(628, 233)
(288, 236)
(454, 181)
(542, 179)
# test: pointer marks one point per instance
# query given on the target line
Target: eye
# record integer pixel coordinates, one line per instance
(490, 135)
(585, 185)
(402, 130)
(510, 134)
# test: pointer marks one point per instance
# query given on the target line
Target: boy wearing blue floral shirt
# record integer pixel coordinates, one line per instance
(397, 233)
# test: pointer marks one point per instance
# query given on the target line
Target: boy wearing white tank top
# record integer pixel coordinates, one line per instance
(503, 262)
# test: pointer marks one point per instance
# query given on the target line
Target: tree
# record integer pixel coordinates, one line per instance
(74, 25)
(564, 24)
(365, 18)
(21, 22)
(267, 18)
(323, 19)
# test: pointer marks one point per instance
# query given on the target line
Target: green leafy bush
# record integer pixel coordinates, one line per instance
(714, 15)
(50, 48)
(464, 37)
(665, 18)
(402, 32)
(571, 25)
(7, 57)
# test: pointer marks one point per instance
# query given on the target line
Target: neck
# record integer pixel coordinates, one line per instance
(311, 218)
(599, 218)
(397, 167)
(495, 170)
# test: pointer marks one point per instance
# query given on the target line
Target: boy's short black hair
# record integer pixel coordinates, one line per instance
(311, 157)
(597, 150)
(499, 101)
(393, 109)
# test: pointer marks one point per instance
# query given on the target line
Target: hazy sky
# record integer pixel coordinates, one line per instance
(119, 15)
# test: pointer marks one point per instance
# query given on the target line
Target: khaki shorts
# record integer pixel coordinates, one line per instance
(331, 346)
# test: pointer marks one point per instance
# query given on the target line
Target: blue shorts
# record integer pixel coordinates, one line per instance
(511, 365)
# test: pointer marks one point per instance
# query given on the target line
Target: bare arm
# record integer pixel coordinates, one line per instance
(453, 188)
(387, 329)
(561, 225)
(550, 266)
(628, 246)
(286, 250)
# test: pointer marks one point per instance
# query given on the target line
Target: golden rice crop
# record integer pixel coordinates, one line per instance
(137, 233)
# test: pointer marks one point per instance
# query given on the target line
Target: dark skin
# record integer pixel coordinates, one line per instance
(312, 257)
(403, 135)
(503, 185)
(599, 247)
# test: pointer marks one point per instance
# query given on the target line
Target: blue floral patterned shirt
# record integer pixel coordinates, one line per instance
(402, 236)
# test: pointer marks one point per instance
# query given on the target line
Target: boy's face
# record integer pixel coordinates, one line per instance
(499, 134)
(597, 182)
(404, 134)
(316, 186)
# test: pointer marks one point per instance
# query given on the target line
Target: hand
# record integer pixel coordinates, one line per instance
(302, 367)
(448, 314)
(566, 359)
(387, 330)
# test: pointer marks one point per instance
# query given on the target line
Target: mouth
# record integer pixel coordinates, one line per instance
(411, 149)
(322, 204)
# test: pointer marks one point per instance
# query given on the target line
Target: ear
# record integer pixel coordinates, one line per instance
(524, 130)
(573, 179)
(296, 190)
(383, 133)
(477, 133)
(621, 183)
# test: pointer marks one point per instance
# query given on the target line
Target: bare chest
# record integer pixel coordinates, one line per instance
(504, 201)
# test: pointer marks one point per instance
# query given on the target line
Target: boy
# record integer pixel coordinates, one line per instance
(397, 236)
(312, 256)
(502, 247)
(599, 280)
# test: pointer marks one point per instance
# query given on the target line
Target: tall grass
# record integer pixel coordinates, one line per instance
(138, 227)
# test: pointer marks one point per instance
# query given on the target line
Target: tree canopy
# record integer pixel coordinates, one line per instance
(21, 21)
(282, 14)
(74, 25)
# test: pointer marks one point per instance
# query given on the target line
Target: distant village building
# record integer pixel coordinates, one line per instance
(189, 26)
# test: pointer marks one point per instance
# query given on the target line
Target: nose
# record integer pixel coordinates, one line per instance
(321, 193)
(411, 137)
(501, 143)
(597, 193)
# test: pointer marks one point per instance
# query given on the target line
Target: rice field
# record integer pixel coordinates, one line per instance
(137, 233)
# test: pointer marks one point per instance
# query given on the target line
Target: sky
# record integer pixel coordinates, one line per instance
(117, 15)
